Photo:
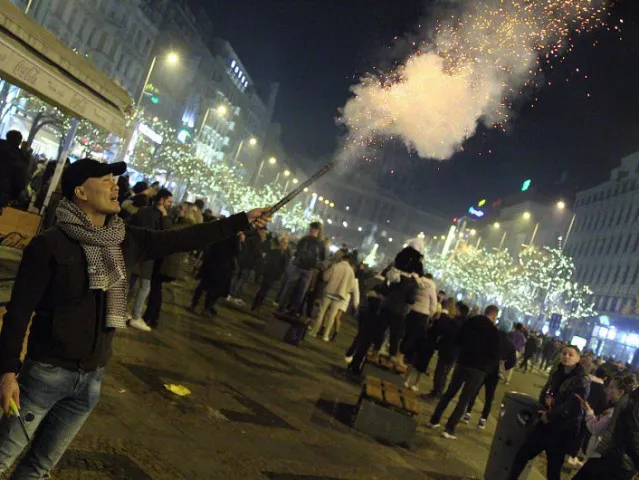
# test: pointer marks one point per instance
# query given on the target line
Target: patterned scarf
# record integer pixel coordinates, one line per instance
(101, 246)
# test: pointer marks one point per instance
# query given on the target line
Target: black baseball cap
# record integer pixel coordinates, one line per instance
(78, 172)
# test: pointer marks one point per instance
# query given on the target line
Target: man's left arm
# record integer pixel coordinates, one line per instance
(157, 244)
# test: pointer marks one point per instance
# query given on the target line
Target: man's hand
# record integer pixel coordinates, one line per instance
(259, 217)
(242, 237)
(9, 389)
(163, 211)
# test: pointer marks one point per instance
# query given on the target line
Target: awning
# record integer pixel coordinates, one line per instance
(34, 59)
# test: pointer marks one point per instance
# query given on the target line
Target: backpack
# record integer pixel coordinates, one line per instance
(307, 254)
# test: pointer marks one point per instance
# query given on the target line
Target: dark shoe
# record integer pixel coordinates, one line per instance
(333, 336)
(211, 312)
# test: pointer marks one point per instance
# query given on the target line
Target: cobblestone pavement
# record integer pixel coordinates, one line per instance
(259, 409)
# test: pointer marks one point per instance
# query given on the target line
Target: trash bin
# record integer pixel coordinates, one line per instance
(517, 419)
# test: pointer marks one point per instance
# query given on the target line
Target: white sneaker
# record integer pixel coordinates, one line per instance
(433, 425)
(449, 436)
(326, 339)
(466, 418)
(482, 424)
(139, 324)
(415, 388)
(348, 360)
(240, 302)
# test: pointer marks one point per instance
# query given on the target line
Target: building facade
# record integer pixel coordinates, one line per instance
(605, 240)
(117, 36)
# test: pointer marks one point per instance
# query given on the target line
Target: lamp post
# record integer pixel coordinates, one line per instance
(252, 143)
(172, 58)
(271, 161)
(572, 222)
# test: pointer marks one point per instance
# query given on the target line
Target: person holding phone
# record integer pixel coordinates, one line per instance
(560, 416)
(602, 427)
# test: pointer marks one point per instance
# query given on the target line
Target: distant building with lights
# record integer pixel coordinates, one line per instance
(363, 217)
(605, 246)
(207, 89)
(605, 239)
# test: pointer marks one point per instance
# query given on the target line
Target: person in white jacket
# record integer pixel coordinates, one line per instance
(340, 283)
(417, 319)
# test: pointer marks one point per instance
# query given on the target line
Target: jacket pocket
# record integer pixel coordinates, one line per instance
(72, 281)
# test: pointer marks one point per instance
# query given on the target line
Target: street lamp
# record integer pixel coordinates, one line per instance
(222, 110)
(526, 215)
(473, 232)
(295, 181)
(287, 173)
(253, 141)
(172, 58)
(561, 205)
(271, 161)
(496, 225)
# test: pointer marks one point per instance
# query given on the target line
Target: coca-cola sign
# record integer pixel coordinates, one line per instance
(26, 72)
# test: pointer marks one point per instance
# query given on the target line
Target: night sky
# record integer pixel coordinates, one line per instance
(317, 49)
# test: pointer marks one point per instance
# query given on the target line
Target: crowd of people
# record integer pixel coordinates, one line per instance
(112, 242)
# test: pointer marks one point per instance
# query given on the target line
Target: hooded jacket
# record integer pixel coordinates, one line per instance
(425, 297)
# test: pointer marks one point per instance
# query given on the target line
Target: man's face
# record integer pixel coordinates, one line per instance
(493, 317)
(283, 243)
(166, 202)
(313, 232)
(100, 194)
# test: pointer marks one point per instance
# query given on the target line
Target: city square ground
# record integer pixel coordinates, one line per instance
(258, 409)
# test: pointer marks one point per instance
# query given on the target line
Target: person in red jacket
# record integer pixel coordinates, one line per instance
(73, 277)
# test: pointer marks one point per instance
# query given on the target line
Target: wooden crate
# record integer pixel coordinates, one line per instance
(385, 363)
(387, 412)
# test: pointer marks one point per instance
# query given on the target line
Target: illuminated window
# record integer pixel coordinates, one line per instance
(233, 64)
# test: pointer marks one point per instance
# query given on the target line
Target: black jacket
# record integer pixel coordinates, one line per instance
(507, 351)
(479, 344)
(623, 458)
(275, 263)
(399, 296)
(566, 413)
(531, 346)
(445, 332)
(68, 328)
(152, 219)
(13, 172)
(218, 264)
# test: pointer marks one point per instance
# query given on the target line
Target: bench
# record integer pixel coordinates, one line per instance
(387, 412)
(381, 367)
(286, 329)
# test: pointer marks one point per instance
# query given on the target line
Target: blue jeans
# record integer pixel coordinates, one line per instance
(296, 286)
(140, 298)
(54, 401)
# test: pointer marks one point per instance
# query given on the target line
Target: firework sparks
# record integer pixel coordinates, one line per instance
(477, 65)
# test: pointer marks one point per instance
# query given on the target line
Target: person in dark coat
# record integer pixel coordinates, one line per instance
(478, 355)
(216, 273)
(529, 351)
(548, 351)
(560, 416)
(445, 332)
(507, 356)
(249, 260)
(14, 177)
(275, 263)
(155, 217)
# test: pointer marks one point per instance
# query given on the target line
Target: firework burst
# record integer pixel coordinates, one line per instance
(475, 68)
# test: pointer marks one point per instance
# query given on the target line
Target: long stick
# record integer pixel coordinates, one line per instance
(309, 181)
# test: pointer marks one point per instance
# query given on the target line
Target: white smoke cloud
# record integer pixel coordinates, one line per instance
(468, 74)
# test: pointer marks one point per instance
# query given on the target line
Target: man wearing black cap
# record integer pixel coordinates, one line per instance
(73, 279)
